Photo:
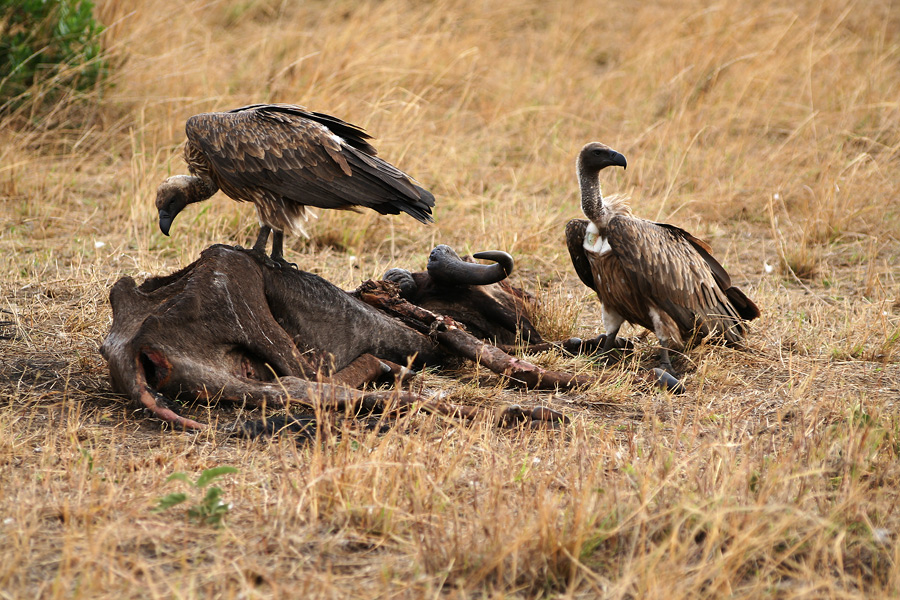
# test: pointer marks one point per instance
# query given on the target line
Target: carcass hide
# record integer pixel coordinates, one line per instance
(229, 327)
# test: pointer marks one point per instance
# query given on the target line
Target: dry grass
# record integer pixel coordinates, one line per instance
(770, 128)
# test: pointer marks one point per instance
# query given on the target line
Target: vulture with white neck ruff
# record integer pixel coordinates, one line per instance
(284, 158)
(650, 274)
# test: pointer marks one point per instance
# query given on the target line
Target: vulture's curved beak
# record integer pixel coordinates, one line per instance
(165, 220)
(618, 160)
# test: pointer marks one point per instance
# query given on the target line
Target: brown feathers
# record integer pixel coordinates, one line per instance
(650, 274)
(284, 158)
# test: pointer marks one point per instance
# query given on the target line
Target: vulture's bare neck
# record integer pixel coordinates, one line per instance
(594, 206)
(591, 197)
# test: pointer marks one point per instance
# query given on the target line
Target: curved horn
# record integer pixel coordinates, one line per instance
(445, 266)
(503, 259)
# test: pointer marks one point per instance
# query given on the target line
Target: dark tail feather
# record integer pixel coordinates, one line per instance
(742, 304)
(419, 208)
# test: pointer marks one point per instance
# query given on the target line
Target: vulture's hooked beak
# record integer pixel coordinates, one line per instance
(165, 220)
(618, 160)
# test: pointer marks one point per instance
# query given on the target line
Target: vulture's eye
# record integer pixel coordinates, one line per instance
(598, 152)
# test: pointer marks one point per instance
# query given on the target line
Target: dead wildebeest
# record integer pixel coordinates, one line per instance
(479, 296)
(230, 327)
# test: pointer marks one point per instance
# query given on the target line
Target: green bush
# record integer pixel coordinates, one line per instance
(54, 44)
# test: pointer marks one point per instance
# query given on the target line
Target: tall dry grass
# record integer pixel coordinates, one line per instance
(771, 129)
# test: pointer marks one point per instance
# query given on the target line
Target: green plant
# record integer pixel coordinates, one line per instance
(48, 41)
(211, 509)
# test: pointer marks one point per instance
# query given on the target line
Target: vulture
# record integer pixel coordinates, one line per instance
(284, 158)
(650, 274)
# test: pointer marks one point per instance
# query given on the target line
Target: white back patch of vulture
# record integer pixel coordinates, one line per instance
(594, 243)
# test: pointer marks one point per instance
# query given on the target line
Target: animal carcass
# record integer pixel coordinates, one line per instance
(231, 327)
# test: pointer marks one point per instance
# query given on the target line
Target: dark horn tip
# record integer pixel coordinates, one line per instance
(667, 382)
(445, 266)
(504, 259)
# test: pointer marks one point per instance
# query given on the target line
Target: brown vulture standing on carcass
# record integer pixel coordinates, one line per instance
(651, 274)
(284, 158)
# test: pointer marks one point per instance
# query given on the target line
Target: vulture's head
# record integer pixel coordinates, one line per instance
(596, 156)
(171, 197)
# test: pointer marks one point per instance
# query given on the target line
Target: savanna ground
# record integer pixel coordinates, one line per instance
(769, 128)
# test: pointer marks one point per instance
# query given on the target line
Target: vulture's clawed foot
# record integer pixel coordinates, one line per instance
(263, 257)
(665, 363)
(596, 344)
(276, 262)
(281, 263)
(619, 343)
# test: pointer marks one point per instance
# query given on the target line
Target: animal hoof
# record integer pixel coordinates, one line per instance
(511, 415)
(668, 382)
(404, 281)
(572, 345)
(542, 413)
(303, 426)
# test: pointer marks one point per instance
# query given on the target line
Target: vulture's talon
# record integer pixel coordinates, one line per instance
(623, 344)
(272, 264)
(282, 263)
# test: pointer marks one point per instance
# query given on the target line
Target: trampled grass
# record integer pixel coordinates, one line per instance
(771, 129)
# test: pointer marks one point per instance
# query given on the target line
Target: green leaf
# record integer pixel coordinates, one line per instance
(169, 501)
(209, 475)
(211, 500)
(179, 477)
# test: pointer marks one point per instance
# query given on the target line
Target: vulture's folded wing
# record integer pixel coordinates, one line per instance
(575, 242)
(673, 268)
(283, 153)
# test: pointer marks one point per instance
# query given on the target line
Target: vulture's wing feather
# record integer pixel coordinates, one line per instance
(284, 153)
(353, 134)
(575, 242)
(744, 306)
(670, 266)
(703, 249)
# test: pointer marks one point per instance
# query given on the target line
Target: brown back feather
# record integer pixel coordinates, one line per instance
(677, 271)
(283, 153)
